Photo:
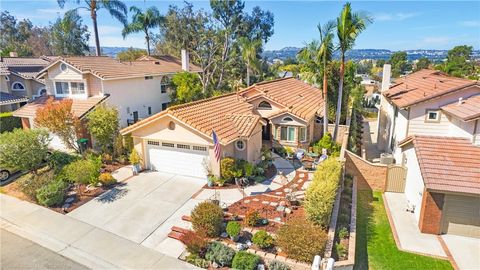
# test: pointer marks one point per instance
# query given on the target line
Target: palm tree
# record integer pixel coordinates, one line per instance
(325, 52)
(249, 50)
(143, 21)
(116, 8)
(349, 26)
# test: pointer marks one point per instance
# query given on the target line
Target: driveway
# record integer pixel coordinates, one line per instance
(144, 209)
(465, 250)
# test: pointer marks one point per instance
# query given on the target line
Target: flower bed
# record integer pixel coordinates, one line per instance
(341, 242)
(269, 173)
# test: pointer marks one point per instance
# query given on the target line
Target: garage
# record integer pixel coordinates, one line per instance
(461, 215)
(177, 158)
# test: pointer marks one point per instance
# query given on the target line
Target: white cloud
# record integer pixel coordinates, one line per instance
(470, 23)
(400, 16)
(436, 41)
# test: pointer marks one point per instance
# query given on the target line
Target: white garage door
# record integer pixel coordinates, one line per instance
(461, 215)
(183, 159)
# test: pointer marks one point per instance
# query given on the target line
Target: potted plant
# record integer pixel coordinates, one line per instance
(210, 180)
(237, 174)
(219, 181)
(135, 160)
(289, 151)
(233, 230)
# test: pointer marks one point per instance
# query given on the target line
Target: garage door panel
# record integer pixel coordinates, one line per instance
(461, 215)
(177, 160)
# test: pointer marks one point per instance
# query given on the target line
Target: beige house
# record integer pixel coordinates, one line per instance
(179, 140)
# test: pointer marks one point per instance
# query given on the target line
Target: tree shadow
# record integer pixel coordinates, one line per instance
(114, 194)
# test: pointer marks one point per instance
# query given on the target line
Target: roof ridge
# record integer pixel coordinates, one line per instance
(188, 104)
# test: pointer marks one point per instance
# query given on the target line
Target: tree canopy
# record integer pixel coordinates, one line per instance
(69, 36)
(143, 21)
(187, 87)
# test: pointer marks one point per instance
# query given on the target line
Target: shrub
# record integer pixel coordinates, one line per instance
(107, 158)
(195, 242)
(289, 151)
(248, 168)
(220, 254)
(343, 233)
(252, 218)
(197, 260)
(29, 184)
(58, 159)
(320, 195)
(233, 228)
(341, 250)
(107, 179)
(227, 168)
(301, 239)
(103, 125)
(9, 123)
(84, 171)
(278, 265)
(134, 157)
(245, 261)
(326, 142)
(207, 217)
(262, 239)
(118, 147)
(51, 194)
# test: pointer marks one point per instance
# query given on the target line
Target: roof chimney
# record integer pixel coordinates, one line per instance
(460, 101)
(185, 60)
(386, 76)
(13, 54)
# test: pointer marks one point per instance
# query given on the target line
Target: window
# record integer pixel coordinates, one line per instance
(149, 110)
(164, 84)
(283, 133)
(183, 146)
(302, 134)
(199, 148)
(63, 67)
(17, 86)
(153, 143)
(77, 88)
(62, 88)
(164, 106)
(287, 119)
(165, 144)
(291, 134)
(432, 116)
(42, 92)
(264, 105)
(240, 145)
(148, 77)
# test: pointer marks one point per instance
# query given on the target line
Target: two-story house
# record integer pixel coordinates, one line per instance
(137, 89)
(431, 123)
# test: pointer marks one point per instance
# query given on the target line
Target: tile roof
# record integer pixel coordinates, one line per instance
(24, 67)
(7, 98)
(24, 61)
(467, 110)
(79, 106)
(300, 98)
(232, 116)
(423, 85)
(447, 163)
(106, 67)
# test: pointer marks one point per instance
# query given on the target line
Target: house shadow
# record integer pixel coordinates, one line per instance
(116, 193)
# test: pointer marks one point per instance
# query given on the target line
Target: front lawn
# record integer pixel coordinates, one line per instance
(375, 246)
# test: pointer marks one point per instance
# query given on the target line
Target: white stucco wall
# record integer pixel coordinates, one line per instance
(414, 184)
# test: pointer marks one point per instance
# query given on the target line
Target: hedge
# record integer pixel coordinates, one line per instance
(8, 122)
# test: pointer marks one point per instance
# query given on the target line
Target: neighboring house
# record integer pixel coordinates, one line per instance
(417, 105)
(17, 80)
(443, 183)
(179, 140)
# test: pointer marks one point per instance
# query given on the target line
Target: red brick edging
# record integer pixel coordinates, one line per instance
(447, 251)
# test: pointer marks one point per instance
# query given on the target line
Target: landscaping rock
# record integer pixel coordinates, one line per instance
(287, 190)
(288, 210)
(278, 219)
(72, 193)
(255, 200)
(280, 208)
(265, 202)
(65, 207)
(69, 200)
(248, 243)
(283, 203)
(261, 267)
(241, 246)
(246, 201)
(278, 193)
(224, 235)
(273, 204)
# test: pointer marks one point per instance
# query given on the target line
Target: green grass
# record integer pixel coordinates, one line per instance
(375, 246)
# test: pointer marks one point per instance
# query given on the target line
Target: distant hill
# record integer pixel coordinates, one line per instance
(110, 51)
(359, 54)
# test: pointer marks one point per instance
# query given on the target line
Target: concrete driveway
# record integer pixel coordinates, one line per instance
(465, 250)
(144, 209)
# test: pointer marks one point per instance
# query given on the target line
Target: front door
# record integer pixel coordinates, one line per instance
(266, 131)
(135, 116)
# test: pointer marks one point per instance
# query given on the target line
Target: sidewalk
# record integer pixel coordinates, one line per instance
(79, 241)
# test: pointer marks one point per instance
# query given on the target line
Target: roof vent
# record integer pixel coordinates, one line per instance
(157, 62)
(460, 101)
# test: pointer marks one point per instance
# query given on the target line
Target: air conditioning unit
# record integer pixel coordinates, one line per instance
(386, 158)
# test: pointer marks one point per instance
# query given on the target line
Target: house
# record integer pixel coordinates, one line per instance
(443, 183)
(417, 105)
(17, 80)
(179, 139)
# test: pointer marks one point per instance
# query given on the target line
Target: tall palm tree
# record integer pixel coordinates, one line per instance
(249, 49)
(349, 26)
(143, 21)
(116, 8)
(325, 52)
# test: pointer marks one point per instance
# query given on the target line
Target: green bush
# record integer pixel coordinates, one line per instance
(341, 250)
(320, 195)
(220, 254)
(301, 239)
(196, 260)
(8, 122)
(248, 169)
(280, 150)
(83, 171)
(58, 159)
(233, 228)
(207, 217)
(52, 194)
(245, 261)
(252, 217)
(227, 168)
(29, 183)
(343, 233)
(278, 265)
(333, 148)
(262, 239)
(107, 179)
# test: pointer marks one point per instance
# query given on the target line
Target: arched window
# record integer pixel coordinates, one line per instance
(264, 105)
(287, 119)
(240, 145)
(18, 86)
(42, 92)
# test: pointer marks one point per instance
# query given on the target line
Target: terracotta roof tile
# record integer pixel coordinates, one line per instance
(424, 85)
(447, 163)
(79, 106)
(467, 110)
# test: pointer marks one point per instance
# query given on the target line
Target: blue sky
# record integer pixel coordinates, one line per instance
(397, 26)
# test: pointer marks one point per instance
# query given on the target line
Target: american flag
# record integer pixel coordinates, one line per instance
(216, 146)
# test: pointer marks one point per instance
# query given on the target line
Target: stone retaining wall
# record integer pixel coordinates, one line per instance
(369, 175)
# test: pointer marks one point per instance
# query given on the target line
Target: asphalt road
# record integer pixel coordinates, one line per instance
(19, 253)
